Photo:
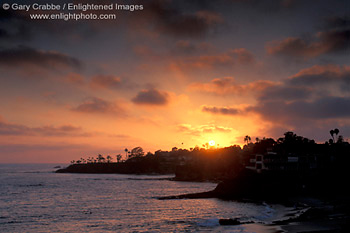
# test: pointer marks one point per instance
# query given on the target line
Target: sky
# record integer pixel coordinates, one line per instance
(178, 73)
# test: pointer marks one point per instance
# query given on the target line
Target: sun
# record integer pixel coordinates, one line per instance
(211, 143)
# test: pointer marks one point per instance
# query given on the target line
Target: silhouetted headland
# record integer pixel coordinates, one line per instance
(144, 165)
(267, 169)
(292, 170)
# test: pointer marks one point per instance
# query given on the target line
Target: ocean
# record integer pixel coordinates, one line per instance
(35, 199)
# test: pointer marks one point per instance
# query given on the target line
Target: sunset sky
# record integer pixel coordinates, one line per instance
(178, 73)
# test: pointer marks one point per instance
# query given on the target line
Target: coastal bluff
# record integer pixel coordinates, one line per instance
(119, 168)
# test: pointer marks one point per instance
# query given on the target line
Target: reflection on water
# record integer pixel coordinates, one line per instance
(32, 199)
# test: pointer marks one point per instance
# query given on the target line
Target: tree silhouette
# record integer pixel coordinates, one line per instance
(336, 131)
(126, 153)
(137, 152)
(109, 159)
(119, 157)
(340, 139)
(332, 134)
(247, 139)
(100, 158)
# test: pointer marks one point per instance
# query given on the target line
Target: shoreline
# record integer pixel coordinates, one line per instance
(306, 213)
(309, 213)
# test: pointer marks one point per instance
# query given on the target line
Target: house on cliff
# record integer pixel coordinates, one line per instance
(272, 161)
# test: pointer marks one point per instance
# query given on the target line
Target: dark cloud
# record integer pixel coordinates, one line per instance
(303, 96)
(20, 28)
(185, 54)
(286, 93)
(221, 110)
(13, 26)
(4, 34)
(310, 99)
(230, 58)
(229, 86)
(5, 14)
(311, 96)
(26, 56)
(243, 56)
(98, 105)
(336, 38)
(293, 47)
(187, 47)
(151, 97)
(75, 79)
(268, 6)
(328, 107)
(105, 81)
(338, 22)
(170, 18)
(7, 129)
(199, 130)
(323, 76)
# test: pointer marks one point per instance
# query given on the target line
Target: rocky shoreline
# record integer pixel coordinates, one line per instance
(314, 208)
(307, 214)
(315, 201)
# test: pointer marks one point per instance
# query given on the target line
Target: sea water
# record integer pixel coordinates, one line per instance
(35, 199)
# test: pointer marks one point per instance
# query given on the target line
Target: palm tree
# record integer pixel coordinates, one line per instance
(109, 159)
(126, 153)
(137, 152)
(100, 158)
(336, 131)
(332, 134)
(247, 139)
(119, 157)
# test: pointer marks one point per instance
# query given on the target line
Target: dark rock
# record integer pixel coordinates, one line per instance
(209, 194)
(229, 221)
(138, 167)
